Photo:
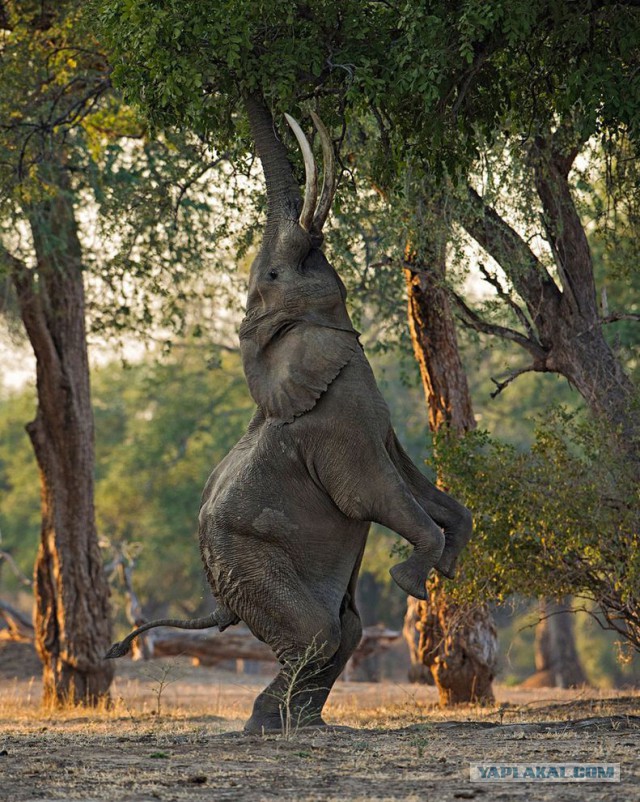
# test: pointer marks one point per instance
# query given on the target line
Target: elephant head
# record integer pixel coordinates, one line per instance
(296, 335)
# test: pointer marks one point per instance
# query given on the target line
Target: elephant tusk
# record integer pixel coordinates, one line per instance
(311, 187)
(328, 177)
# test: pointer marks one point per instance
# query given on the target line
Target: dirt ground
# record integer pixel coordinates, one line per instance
(173, 733)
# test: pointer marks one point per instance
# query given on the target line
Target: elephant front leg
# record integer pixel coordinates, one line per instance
(455, 520)
(394, 506)
(428, 543)
(367, 487)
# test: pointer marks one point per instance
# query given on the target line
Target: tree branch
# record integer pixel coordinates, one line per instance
(502, 293)
(186, 186)
(31, 310)
(564, 228)
(529, 277)
(24, 580)
(500, 385)
(615, 316)
(471, 319)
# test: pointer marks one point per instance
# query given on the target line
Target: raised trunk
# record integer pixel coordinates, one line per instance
(458, 645)
(556, 657)
(283, 192)
(72, 617)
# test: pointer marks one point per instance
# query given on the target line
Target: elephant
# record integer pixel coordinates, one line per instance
(285, 516)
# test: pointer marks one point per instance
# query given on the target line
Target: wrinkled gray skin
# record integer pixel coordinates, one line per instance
(285, 516)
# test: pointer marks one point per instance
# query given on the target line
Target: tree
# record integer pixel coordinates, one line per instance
(457, 643)
(517, 92)
(72, 613)
(433, 90)
(580, 540)
(64, 155)
(556, 658)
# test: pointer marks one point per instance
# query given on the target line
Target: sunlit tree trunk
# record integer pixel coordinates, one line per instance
(419, 671)
(458, 645)
(72, 620)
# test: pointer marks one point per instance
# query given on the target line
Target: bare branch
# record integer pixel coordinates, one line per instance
(615, 316)
(501, 384)
(529, 276)
(186, 186)
(19, 626)
(24, 580)
(502, 293)
(471, 319)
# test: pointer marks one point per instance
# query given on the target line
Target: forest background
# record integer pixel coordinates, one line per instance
(167, 244)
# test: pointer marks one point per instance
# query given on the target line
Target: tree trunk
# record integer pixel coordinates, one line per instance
(72, 618)
(209, 649)
(556, 657)
(419, 672)
(561, 327)
(458, 645)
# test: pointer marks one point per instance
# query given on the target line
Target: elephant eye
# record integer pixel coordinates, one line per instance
(273, 274)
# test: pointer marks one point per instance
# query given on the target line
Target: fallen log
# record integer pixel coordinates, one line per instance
(207, 648)
(17, 626)
(211, 648)
(364, 664)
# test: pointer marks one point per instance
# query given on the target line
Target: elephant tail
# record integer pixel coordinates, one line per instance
(221, 617)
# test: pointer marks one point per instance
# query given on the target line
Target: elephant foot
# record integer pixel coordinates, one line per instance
(411, 575)
(274, 724)
(446, 565)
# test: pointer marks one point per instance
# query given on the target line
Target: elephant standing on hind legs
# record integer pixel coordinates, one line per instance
(285, 516)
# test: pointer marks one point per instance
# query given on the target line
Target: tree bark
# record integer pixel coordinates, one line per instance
(72, 617)
(419, 672)
(556, 657)
(563, 330)
(458, 645)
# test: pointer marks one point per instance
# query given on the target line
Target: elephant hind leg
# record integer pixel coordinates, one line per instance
(351, 634)
(304, 636)
(303, 685)
(296, 696)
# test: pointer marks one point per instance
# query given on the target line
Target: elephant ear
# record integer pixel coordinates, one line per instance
(288, 371)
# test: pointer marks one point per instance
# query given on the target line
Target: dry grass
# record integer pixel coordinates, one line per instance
(402, 746)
